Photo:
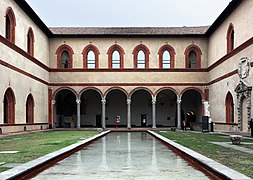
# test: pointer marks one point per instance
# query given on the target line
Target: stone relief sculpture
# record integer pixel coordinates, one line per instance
(243, 90)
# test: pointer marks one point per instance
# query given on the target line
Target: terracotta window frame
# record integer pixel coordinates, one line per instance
(59, 52)
(9, 106)
(172, 53)
(30, 109)
(230, 38)
(85, 52)
(110, 56)
(30, 42)
(146, 51)
(229, 103)
(10, 31)
(198, 52)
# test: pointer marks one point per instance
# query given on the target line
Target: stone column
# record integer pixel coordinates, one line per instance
(129, 113)
(103, 112)
(154, 112)
(179, 111)
(53, 110)
(206, 111)
(78, 103)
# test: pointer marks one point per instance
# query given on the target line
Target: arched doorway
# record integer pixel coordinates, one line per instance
(91, 109)
(141, 108)
(9, 107)
(116, 106)
(66, 109)
(191, 108)
(229, 108)
(166, 107)
(30, 109)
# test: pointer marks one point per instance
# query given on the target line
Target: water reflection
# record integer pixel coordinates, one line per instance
(123, 156)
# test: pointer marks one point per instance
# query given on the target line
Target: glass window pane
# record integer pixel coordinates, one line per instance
(115, 55)
(141, 55)
(166, 55)
(65, 59)
(91, 55)
(141, 66)
(91, 66)
(166, 66)
(116, 66)
(192, 60)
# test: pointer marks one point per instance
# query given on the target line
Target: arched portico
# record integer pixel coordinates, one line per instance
(116, 108)
(66, 109)
(166, 103)
(141, 108)
(91, 111)
(191, 109)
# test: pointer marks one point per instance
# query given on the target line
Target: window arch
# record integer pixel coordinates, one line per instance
(166, 57)
(90, 57)
(229, 108)
(9, 107)
(64, 57)
(193, 57)
(141, 57)
(230, 38)
(30, 109)
(115, 57)
(30, 42)
(10, 23)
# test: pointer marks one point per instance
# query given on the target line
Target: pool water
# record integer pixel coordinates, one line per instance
(123, 155)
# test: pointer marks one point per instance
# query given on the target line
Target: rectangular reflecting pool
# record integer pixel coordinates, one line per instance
(123, 155)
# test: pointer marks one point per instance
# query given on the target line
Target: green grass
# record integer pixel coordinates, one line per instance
(32, 146)
(200, 142)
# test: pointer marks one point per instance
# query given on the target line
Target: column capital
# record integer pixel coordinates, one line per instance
(179, 101)
(129, 101)
(78, 101)
(53, 101)
(153, 101)
(103, 101)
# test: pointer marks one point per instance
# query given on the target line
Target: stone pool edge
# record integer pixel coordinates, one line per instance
(209, 163)
(36, 163)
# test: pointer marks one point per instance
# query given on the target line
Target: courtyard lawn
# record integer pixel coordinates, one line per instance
(201, 143)
(32, 146)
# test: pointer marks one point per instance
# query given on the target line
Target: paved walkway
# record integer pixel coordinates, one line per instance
(235, 147)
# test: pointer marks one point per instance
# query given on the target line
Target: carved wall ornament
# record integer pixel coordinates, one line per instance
(244, 67)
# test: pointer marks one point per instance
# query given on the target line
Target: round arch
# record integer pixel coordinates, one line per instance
(9, 106)
(64, 88)
(30, 109)
(140, 88)
(90, 88)
(116, 88)
(166, 108)
(193, 88)
(166, 88)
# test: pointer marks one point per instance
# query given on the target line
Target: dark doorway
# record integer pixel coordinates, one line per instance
(143, 120)
(98, 120)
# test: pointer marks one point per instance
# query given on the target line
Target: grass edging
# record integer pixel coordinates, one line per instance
(25, 168)
(214, 166)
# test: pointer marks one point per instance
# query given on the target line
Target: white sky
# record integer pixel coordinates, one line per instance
(128, 13)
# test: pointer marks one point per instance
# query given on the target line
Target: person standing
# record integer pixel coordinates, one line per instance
(251, 127)
(184, 125)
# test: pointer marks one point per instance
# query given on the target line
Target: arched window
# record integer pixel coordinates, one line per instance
(229, 108)
(65, 60)
(166, 57)
(64, 57)
(193, 57)
(141, 57)
(30, 42)
(141, 60)
(9, 107)
(10, 24)
(115, 57)
(30, 110)
(115, 60)
(90, 57)
(91, 60)
(230, 38)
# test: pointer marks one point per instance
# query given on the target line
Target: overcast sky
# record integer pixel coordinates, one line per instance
(128, 13)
